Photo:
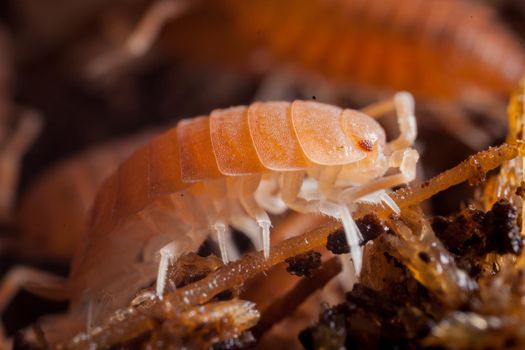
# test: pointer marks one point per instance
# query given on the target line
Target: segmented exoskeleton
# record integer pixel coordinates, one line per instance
(439, 49)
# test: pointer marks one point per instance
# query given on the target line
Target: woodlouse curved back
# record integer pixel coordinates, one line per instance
(166, 165)
(389, 44)
(400, 45)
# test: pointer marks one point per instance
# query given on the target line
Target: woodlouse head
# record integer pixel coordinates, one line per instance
(365, 131)
(366, 145)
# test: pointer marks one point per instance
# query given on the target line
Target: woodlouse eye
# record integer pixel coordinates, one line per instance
(366, 145)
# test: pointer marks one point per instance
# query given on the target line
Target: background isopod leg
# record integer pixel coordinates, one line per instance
(28, 127)
(403, 104)
(277, 85)
(457, 123)
(18, 278)
(249, 185)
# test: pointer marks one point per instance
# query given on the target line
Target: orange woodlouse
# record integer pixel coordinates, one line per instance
(229, 169)
(441, 50)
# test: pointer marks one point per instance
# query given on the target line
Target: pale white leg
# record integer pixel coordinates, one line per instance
(242, 222)
(267, 195)
(290, 188)
(167, 256)
(407, 166)
(290, 191)
(13, 149)
(348, 276)
(403, 104)
(353, 237)
(237, 214)
(406, 160)
(247, 199)
(327, 180)
(224, 239)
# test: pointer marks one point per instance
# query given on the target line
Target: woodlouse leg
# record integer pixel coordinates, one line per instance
(353, 237)
(249, 185)
(218, 211)
(237, 216)
(290, 188)
(177, 226)
(224, 239)
(267, 195)
(406, 160)
(458, 124)
(242, 222)
(403, 104)
(167, 255)
(327, 178)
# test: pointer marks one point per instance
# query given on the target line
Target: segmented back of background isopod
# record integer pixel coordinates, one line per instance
(393, 45)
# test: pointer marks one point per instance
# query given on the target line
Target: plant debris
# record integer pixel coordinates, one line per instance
(430, 284)
(304, 264)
